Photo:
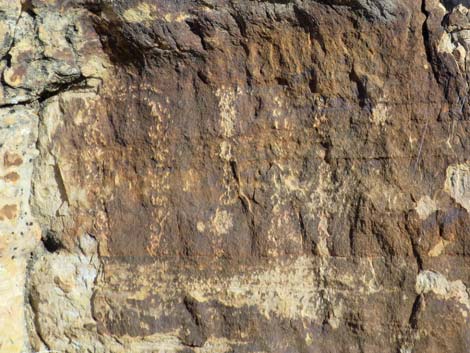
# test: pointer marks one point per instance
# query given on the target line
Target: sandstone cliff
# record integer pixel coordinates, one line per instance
(214, 176)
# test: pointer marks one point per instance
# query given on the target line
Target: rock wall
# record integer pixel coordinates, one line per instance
(234, 176)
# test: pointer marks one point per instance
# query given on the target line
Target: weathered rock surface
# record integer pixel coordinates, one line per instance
(234, 176)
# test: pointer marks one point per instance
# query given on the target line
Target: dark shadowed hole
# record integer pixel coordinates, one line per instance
(51, 242)
(450, 4)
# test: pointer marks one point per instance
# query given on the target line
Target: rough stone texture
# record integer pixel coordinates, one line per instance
(234, 176)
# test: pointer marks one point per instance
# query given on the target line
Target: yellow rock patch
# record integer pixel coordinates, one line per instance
(8, 212)
(143, 12)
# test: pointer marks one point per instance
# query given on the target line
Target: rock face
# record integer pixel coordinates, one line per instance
(234, 176)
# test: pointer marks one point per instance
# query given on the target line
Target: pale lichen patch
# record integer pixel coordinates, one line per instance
(457, 183)
(437, 283)
(19, 234)
(379, 114)
(12, 334)
(445, 44)
(425, 207)
(63, 283)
